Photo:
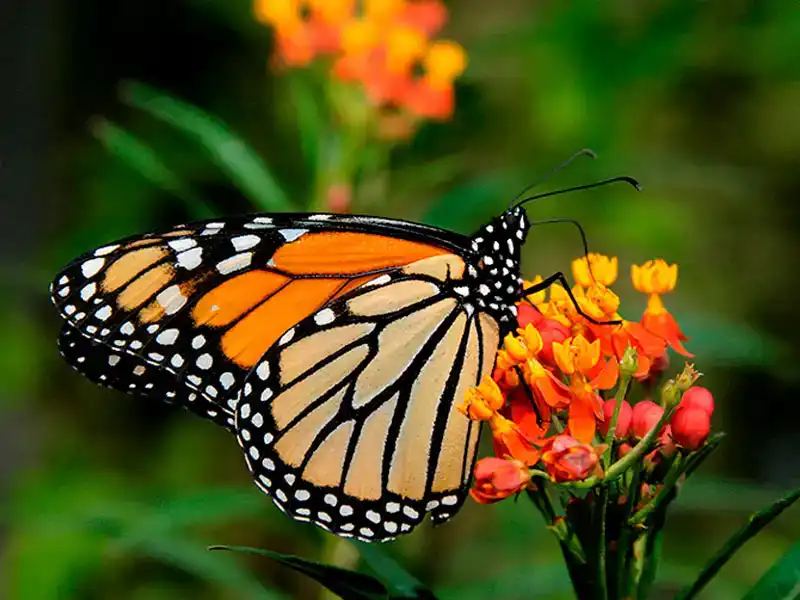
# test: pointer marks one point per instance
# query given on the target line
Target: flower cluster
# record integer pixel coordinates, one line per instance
(388, 47)
(549, 401)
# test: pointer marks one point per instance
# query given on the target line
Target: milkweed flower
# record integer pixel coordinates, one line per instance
(567, 459)
(498, 478)
(594, 269)
(387, 48)
(655, 278)
(644, 416)
(690, 427)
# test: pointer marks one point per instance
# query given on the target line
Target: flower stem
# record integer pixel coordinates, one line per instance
(601, 577)
(622, 392)
(674, 473)
(625, 535)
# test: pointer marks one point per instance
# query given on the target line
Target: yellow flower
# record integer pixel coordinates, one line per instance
(654, 277)
(333, 11)
(532, 338)
(594, 268)
(404, 46)
(576, 355)
(444, 62)
(515, 348)
(282, 14)
(383, 10)
(483, 401)
(538, 297)
(360, 36)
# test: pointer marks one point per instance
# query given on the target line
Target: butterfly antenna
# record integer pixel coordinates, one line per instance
(624, 179)
(549, 174)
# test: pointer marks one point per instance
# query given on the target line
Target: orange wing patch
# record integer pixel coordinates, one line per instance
(247, 341)
(228, 301)
(346, 253)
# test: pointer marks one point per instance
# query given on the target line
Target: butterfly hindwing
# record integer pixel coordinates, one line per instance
(126, 372)
(350, 422)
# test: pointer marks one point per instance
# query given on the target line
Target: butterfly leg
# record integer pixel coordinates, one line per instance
(560, 278)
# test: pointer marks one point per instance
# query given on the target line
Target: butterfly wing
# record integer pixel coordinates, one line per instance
(350, 421)
(197, 305)
(349, 338)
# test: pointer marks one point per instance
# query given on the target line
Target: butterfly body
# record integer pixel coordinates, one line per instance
(334, 347)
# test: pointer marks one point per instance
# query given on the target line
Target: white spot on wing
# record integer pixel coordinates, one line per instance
(106, 250)
(171, 299)
(245, 242)
(324, 316)
(92, 266)
(103, 313)
(235, 263)
(190, 259)
(167, 337)
(263, 371)
(182, 244)
(291, 235)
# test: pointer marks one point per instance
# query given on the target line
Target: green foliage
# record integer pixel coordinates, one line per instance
(229, 151)
(349, 585)
(782, 581)
(754, 525)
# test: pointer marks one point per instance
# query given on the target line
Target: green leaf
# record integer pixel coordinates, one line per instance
(400, 583)
(238, 160)
(144, 160)
(755, 523)
(195, 559)
(349, 585)
(782, 581)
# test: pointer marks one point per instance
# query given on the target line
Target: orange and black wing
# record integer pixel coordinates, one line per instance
(184, 314)
(349, 421)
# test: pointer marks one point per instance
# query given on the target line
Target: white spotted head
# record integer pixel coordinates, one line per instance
(497, 248)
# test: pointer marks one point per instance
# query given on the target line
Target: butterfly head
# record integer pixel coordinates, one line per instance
(496, 248)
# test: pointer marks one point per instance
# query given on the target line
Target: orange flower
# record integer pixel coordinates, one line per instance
(482, 402)
(656, 277)
(578, 356)
(509, 440)
(498, 478)
(566, 459)
(546, 386)
(594, 269)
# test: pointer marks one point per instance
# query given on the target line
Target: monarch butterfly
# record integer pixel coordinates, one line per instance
(334, 347)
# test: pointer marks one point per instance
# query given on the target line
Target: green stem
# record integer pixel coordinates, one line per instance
(600, 574)
(625, 535)
(622, 392)
(674, 473)
(638, 552)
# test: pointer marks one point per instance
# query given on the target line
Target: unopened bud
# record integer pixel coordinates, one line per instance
(629, 363)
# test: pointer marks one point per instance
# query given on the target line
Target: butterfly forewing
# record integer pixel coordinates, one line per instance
(203, 302)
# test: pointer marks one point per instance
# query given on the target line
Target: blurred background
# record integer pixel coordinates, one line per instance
(104, 496)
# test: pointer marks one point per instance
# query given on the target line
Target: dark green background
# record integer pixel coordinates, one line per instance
(104, 496)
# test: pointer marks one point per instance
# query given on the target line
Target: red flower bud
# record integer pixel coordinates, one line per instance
(551, 331)
(623, 450)
(698, 397)
(566, 459)
(666, 445)
(498, 478)
(623, 419)
(527, 314)
(690, 427)
(645, 415)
